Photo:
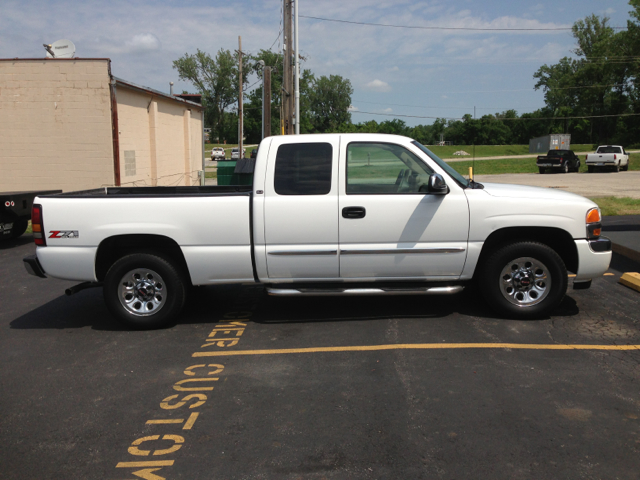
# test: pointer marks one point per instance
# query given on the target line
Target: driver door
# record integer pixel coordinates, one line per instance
(389, 226)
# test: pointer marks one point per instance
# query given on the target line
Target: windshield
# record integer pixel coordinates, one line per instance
(444, 165)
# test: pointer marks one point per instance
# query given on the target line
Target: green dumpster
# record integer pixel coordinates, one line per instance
(225, 172)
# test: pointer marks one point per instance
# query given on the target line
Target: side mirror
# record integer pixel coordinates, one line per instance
(437, 185)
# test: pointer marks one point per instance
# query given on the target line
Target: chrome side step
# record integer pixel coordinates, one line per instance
(330, 292)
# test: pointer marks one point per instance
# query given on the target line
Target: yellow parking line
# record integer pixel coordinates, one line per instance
(416, 346)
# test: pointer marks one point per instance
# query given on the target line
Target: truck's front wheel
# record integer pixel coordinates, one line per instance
(144, 291)
(524, 280)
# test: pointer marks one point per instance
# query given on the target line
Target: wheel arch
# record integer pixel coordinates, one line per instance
(557, 239)
(113, 248)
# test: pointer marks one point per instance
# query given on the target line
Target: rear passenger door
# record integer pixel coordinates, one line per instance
(301, 209)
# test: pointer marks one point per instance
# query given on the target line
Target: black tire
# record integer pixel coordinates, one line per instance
(154, 300)
(625, 168)
(565, 167)
(19, 227)
(616, 168)
(541, 170)
(591, 168)
(577, 169)
(540, 294)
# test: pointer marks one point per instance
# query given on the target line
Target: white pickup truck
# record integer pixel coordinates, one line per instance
(334, 214)
(608, 156)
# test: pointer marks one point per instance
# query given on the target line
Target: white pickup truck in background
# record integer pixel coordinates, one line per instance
(608, 156)
(334, 214)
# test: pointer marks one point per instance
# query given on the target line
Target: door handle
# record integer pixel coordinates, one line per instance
(354, 212)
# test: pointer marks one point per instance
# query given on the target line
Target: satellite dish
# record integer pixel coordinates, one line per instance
(61, 49)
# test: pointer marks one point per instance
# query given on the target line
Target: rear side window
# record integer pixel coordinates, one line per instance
(303, 169)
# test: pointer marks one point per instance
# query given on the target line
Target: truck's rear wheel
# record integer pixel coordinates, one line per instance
(591, 168)
(541, 170)
(19, 227)
(524, 280)
(144, 291)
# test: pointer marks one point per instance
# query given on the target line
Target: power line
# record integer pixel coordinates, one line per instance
(403, 116)
(461, 108)
(445, 28)
(502, 118)
(278, 38)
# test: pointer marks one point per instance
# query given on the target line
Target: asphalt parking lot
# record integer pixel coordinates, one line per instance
(247, 386)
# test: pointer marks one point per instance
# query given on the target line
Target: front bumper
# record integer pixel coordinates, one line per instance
(594, 257)
(33, 267)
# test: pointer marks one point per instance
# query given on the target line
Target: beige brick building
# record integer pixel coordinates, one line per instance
(69, 124)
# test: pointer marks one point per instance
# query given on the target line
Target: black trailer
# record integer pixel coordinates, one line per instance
(15, 211)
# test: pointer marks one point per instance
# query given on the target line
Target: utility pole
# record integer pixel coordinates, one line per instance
(287, 80)
(240, 125)
(297, 83)
(266, 102)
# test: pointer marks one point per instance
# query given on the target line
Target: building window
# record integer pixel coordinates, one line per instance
(129, 163)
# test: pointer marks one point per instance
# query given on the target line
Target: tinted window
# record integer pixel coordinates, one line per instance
(609, 150)
(303, 169)
(384, 168)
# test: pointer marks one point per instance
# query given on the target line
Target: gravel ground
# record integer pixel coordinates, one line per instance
(623, 184)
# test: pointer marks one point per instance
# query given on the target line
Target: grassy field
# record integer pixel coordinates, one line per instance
(495, 150)
(442, 152)
(519, 165)
(227, 148)
(618, 206)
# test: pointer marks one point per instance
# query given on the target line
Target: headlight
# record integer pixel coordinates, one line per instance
(594, 223)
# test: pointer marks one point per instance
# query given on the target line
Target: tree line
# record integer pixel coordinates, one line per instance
(601, 84)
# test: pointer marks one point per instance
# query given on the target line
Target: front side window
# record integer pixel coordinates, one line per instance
(303, 169)
(384, 168)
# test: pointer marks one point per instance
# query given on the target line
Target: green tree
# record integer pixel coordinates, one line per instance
(329, 102)
(591, 85)
(253, 109)
(216, 80)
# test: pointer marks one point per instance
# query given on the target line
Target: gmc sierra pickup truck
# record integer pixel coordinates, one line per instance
(609, 156)
(332, 214)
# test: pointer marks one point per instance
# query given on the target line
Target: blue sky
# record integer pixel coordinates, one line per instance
(425, 73)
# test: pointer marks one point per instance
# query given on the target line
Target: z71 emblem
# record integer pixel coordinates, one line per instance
(63, 234)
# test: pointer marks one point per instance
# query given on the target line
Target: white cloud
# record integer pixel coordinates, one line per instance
(387, 110)
(609, 11)
(144, 42)
(378, 86)
(353, 108)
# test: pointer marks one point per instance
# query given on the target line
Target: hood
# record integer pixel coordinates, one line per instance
(505, 190)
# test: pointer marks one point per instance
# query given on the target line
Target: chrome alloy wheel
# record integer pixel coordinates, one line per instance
(142, 292)
(525, 282)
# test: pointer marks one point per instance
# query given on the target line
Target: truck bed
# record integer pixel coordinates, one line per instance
(182, 191)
